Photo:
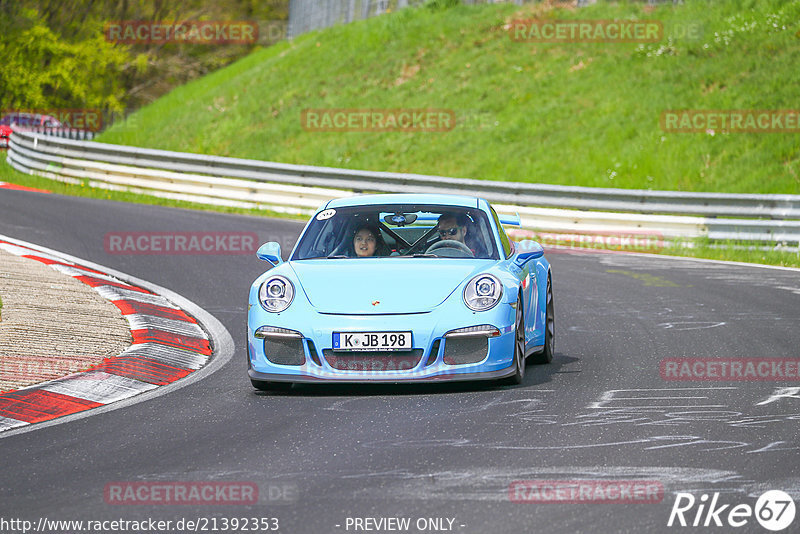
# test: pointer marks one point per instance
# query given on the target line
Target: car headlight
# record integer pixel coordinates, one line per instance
(275, 294)
(483, 292)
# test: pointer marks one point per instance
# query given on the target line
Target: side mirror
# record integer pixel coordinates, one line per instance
(528, 250)
(270, 252)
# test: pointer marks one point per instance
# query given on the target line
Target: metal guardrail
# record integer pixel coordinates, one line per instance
(301, 188)
(67, 133)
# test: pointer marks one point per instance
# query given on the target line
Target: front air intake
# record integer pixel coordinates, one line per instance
(285, 350)
(466, 349)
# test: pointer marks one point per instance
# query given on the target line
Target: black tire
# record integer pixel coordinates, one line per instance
(519, 349)
(546, 355)
(271, 386)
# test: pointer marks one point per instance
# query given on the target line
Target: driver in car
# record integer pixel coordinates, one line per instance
(452, 227)
(456, 227)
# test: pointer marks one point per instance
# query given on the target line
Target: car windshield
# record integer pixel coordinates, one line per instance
(417, 231)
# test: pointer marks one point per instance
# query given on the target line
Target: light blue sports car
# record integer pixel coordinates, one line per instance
(400, 288)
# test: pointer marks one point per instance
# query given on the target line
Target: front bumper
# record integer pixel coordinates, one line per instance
(428, 361)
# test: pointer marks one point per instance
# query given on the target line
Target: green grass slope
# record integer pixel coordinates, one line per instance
(569, 113)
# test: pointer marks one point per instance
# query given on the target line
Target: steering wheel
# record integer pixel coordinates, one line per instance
(450, 243)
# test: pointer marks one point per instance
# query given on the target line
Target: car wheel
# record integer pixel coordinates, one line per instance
(519, 349)
(271, 386)
(546, 356)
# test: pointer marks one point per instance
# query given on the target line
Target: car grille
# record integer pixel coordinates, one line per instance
(373, 361)
(463, 350)
(285, 351)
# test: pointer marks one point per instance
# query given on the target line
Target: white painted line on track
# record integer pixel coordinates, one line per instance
(145, 322)
(98, 386)
(75, 272)
(119, 293)
(167, 355)
(7, 422)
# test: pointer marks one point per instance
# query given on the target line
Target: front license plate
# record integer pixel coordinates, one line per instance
(371, 341)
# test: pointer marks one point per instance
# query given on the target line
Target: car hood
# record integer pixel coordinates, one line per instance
(381, 286)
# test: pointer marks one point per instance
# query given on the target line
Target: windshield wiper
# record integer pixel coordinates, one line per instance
(424, 256)
(336, 257)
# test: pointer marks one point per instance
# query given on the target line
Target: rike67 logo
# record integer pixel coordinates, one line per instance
(774, 510)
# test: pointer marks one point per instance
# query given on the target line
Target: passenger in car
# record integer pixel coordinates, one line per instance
(368, 241)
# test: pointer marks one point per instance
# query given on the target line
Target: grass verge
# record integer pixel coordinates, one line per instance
(573, 113)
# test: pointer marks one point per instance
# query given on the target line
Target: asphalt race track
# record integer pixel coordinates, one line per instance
(320, 455)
